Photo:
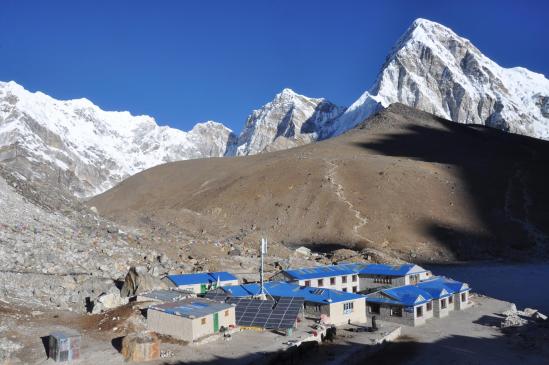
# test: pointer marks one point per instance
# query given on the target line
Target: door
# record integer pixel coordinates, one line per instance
(203, 288)
(216, 322)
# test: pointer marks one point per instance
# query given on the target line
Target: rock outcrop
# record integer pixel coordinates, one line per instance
(138, 281)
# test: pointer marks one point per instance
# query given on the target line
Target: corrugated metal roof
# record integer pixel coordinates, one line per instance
(284, 289)
(438, 285)
(167, 295)
(390, 270)
(410, 295)
(353, 269)
(201, 278)
(324, 271)
(192, 307)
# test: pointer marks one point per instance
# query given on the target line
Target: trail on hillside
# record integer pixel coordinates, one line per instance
(340, 192)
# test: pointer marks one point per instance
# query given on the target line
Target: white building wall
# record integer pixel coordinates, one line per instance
(409, 314)
(196, 288)
(339, 316)
(338, 284)
(169, 324)
(459, 303)
(185, 328)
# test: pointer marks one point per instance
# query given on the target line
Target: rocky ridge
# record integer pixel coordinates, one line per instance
(75, 144)
(288, 121)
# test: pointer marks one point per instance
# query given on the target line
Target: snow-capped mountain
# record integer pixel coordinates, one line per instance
(433, 69)
(289, 120)
(88, 150)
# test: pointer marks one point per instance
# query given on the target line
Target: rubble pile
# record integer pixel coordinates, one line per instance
(518, 318)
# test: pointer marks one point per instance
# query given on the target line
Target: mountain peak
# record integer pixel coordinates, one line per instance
(433, 69)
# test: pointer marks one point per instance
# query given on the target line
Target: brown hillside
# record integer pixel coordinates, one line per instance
(407, 182)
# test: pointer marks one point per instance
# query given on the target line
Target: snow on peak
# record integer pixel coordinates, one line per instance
(289, 120)
(433, 69)
(75, 143)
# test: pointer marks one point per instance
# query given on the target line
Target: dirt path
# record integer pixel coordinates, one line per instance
(340, 192)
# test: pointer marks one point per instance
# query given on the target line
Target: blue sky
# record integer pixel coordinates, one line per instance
(183, 62)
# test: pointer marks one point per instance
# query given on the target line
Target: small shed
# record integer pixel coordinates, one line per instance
(64, 346)
(190, 319)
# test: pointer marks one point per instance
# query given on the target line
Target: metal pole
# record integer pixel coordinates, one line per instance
(262, 291)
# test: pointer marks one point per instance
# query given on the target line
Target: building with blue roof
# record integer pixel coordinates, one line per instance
(190, 319)
(355, 277)
(332, 306)
(200, 283)
(412, 305)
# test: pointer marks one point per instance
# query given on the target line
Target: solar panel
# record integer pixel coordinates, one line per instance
(267, 314)
(218, 297)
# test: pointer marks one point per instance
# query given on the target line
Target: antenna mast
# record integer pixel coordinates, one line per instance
(261, 277)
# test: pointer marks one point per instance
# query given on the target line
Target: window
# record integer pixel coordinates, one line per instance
(374, 308)
(320, 282)
(203, 321)
(450, 300)
(429, 306)
(348, 307)
(443, 303)
(379, 279)
(226, 313)
(396, 311)
(419, 311)
(332, 281)
(463, 297)
(354, 278)
(307, 283)
(344, 279)
(344, 289)
(414, 279)
(354, 289)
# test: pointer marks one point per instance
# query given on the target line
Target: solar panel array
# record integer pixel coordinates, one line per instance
(267, 314)
(217, 296)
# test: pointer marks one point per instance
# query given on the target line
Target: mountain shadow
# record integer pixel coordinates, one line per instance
(506, 177)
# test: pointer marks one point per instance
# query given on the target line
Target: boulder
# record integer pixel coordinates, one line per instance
(529, 312)
(303, 251)
(112, 300)
(138, 280)
(141, 346)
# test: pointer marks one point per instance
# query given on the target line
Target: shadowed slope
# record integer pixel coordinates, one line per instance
(404, 181)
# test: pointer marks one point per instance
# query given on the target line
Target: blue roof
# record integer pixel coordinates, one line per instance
(389, 270)
(407, 295)
(284, 289)
(438, 285)
(201, 278)
(352, 269)
(191, 307)
(324, 271)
